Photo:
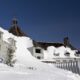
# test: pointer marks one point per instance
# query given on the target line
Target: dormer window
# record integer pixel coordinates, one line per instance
(67, 54)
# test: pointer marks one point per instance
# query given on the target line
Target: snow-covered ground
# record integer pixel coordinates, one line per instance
(27, 67)
(50, 73)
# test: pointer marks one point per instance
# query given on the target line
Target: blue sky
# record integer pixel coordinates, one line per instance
(44, 20)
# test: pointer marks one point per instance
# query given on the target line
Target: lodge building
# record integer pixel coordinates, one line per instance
(38, 48)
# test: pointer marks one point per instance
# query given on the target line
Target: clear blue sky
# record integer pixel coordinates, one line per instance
(44, 20)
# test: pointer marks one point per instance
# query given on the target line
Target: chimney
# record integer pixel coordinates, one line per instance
(66, 41)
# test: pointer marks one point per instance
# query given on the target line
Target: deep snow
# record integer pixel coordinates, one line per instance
(27, 67)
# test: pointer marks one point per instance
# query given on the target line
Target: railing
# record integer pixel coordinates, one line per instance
(72, 65)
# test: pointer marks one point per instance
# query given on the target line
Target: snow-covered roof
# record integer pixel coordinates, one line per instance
(44, 45)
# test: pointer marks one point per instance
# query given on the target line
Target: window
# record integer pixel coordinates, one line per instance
(77, 54)
(67, 54)
(38, 50)
(38, 57)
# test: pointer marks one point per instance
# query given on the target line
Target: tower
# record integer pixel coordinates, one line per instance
(15, 29)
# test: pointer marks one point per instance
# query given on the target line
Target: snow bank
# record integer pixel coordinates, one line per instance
(9, 73)
(27, 67)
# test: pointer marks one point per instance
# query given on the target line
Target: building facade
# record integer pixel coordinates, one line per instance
(61, 52)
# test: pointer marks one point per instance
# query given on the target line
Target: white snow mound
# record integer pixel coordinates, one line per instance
(27, 67)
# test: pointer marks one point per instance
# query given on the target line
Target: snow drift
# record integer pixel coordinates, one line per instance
(27, 67)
